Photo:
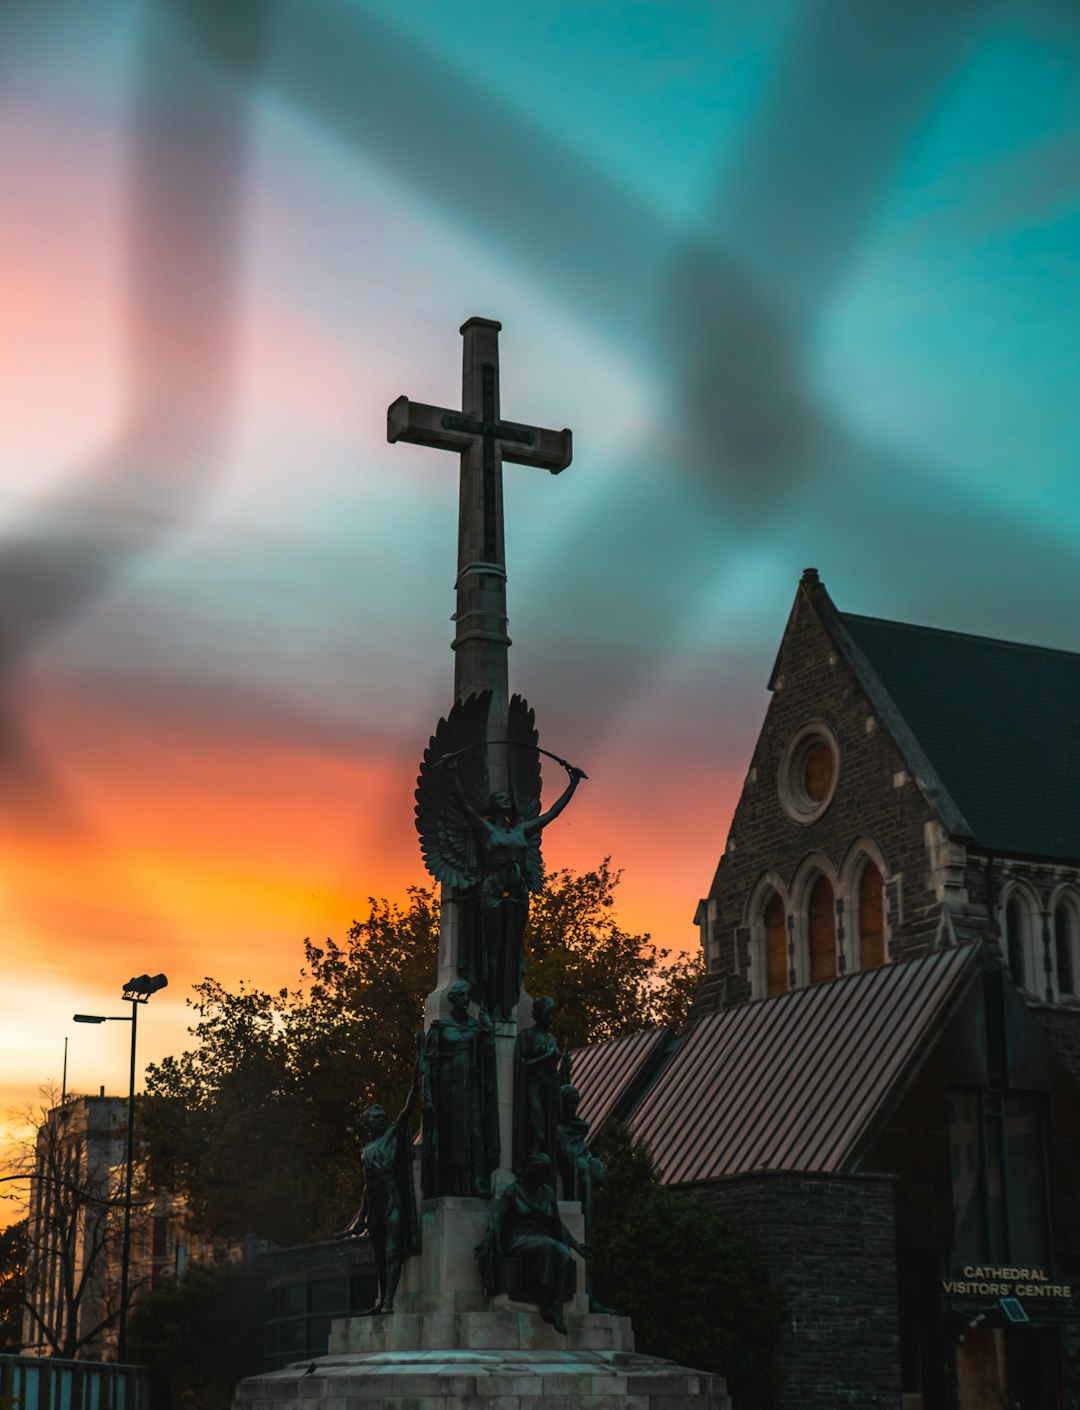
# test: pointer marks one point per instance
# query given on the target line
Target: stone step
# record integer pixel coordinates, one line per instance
(477, 1380)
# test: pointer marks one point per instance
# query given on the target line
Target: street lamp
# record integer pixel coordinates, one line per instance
(136, 992)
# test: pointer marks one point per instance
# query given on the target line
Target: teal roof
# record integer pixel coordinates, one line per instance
(999, 723)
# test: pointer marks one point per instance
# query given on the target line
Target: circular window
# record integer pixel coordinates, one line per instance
(808, 773)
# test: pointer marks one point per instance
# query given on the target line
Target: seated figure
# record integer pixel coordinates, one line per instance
(525, 1226)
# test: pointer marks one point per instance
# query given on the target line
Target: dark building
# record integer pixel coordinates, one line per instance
(879, 1079)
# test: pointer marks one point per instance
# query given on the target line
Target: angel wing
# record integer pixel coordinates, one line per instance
(447, 841)
(523, 762)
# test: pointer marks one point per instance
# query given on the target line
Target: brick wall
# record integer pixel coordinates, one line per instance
(829, 1243)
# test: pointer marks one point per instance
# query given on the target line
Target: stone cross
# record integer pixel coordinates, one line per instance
(483, 441)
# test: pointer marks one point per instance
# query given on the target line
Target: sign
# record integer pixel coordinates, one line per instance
(1014, 1310)
(989, 1281)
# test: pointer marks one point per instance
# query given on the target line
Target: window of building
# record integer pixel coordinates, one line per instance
(1065, 949)
(871, 916)
(776, 947)
(809, 772)
(1016, 935)
(821, 924)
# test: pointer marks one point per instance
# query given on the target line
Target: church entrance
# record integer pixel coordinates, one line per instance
(1008, 1368)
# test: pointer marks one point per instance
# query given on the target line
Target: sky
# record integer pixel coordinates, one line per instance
(801, 276)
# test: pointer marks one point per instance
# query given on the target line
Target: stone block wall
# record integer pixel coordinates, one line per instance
(828, 1242)
(875, 798)
(1062, 1025)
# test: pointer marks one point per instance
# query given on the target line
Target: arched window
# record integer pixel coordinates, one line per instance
(871, 916)
(821, 917)
(1065, 941)
(776, 947)
(1015, 925)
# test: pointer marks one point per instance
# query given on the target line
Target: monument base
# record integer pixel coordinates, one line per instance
(486, 1380)
(503, 1326)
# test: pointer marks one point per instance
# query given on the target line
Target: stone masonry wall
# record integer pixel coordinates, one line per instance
(829, 1243)
(875, 797)
(1063, 1028)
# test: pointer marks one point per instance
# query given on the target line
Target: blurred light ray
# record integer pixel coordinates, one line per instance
(69, 548)
(796, 201)
(743, 455)
(747, 417)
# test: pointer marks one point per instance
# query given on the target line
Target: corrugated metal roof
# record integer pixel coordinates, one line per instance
(609, 1073)
(788, 1083)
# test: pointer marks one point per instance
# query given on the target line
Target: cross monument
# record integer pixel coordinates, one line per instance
(484, 441)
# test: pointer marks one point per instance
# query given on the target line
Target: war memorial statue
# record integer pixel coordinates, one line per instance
(537, 1087)
(486, 843)
(526, 1230)
(494, 1282)
(581, 1173)
(388, 1210)
(461, 1122)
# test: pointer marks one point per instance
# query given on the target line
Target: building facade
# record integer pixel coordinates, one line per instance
(910, 789)
(75, 1232)
(879, 1079)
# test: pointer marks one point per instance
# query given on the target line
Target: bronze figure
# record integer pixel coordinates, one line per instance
(388, 1210)
(580, 1172)
(525, 1229)
(486, 844)
(461, 1118)
(537, 1093)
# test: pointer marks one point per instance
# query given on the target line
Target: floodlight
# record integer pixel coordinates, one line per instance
(139, 989)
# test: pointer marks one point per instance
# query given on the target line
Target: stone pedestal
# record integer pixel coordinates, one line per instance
(503, 1326)
(467, 1379)
(445, 1276)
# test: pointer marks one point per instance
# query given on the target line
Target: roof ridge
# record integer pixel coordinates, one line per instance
(967, 636)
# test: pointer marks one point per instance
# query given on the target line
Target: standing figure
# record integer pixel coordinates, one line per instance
(486, 844)
(525, 1225)
(461, 1117)
(580, 1172)
(388, 1210)
(537, 1088)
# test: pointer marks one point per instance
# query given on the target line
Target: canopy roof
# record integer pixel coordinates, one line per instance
(795, 1082)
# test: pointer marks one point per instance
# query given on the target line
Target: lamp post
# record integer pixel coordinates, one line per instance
(136, 991)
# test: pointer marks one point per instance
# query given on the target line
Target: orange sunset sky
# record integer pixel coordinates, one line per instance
(804, 286)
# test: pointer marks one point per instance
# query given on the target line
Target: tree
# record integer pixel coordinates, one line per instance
(260, 1125)
(696, 1291)
(606, 981)
(12, 1284)
(199, 1337)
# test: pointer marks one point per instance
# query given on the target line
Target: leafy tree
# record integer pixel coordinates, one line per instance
(12, 1284)
(259, 1125)
(695, 1289)
(606, 981)
(199, 1337)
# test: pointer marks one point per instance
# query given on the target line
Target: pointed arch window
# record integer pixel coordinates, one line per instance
(776, 946)
(1015, 928)
(821, 918)
(1065, 947)
(871, 916)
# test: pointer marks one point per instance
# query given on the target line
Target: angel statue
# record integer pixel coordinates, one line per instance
(487, 844)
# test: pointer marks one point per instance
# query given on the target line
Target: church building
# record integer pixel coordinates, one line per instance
(879, 1079)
